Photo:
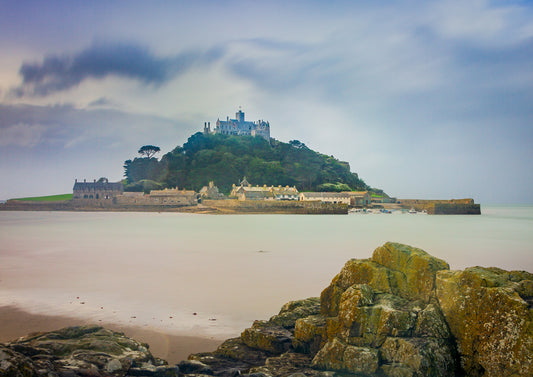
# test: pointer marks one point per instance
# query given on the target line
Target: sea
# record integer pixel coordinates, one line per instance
(213, 275)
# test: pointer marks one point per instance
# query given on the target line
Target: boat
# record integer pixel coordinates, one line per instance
(412, 210)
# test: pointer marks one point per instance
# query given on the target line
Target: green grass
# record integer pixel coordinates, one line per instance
(49, 198)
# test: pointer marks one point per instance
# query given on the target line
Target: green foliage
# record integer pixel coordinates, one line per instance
(226, 159)
(335, 187)
(144, 168)
(144, 185)
(148, 150)
(49, 198)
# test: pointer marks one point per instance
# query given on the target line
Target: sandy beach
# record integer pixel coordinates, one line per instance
(15, 323)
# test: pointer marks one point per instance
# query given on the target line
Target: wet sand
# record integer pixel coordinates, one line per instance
(15, 323)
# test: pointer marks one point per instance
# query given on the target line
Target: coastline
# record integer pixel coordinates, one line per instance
(15, 322)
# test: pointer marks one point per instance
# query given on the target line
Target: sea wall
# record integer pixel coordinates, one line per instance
(443, 207)
(275, 206)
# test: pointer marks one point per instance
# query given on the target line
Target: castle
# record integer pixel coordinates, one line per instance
(240, 127)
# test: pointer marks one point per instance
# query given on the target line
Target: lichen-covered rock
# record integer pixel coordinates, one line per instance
(287, 364)
(417, 266)
(421, 356)
(294, 310)
(84, 350)
(398, 269)
(15, 364)
(310, 334)
(266, 337)
(390, 296)
(343, 357)
(490, 315)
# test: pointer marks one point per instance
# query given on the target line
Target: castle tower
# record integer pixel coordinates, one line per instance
(239, 115)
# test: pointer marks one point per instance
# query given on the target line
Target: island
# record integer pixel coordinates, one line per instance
(237, 168)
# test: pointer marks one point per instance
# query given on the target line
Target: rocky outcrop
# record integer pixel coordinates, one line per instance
(80, 351)
(400, 313)
(489, 312)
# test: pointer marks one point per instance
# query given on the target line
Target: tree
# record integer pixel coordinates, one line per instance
(148, 150)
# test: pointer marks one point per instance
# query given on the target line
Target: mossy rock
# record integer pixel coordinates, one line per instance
(422, 356)
(492, 322)
(339, 356)
(418, 267)
(266, 337)
(294, 310)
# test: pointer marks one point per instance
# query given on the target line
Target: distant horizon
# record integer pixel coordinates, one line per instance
(423, 99)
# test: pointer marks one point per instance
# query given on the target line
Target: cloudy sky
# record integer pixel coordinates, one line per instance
(425, 99)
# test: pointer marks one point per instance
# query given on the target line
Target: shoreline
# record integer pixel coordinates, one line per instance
(15, 323)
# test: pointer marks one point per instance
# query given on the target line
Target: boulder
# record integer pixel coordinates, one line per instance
(267, 337)
(489, 313)
(402, 270)
(293, 310)
(339, 356)
(82, 350)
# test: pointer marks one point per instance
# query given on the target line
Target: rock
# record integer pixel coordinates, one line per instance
(15, 364)
(488, 312)
(310, 334)
(294, 310)
(232, 357)
(84, 351)
(263, 336)
(420, 356)
(342, 357)
(194, 367)
(417, 266)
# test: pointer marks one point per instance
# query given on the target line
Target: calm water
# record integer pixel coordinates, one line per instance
(229, 270)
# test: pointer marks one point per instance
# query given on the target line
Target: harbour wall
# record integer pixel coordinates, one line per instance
(443, 207)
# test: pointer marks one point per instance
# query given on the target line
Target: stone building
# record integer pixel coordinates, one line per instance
(210, 192)
(326, 197)
(166, 197)
(97, 190)
(245, 191)
(359, 198)
(240, 127)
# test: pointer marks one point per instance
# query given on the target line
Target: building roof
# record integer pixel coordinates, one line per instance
(320, 195)
(357, 194)
(101, 185)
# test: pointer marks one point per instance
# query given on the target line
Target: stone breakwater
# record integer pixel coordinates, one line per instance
(400, 313)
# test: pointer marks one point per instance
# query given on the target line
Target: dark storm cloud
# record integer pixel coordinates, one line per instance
(60, 72)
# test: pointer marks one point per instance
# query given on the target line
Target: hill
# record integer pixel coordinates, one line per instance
(226, 159)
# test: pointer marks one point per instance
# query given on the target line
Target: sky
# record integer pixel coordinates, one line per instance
(424, 99)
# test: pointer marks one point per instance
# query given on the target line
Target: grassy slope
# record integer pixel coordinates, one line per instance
(49, 198)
